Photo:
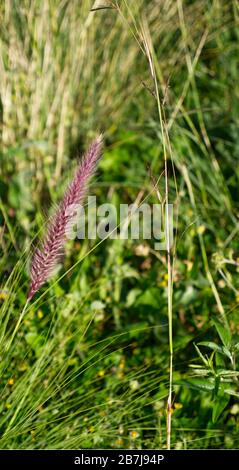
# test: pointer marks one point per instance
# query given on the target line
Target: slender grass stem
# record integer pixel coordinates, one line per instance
(163, 128)
(169, 269)
(17, 325)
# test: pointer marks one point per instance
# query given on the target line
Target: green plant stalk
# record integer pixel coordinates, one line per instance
(169, 269)
(150, 55)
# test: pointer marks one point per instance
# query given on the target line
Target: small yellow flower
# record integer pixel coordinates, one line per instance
(101, 373)
(122, 365)
(8, 406)
(119, 442)
(3, 295)
(163, 283)
(201, 229)
(22, 367)
(40, 314)
(134, 434)
(166, 277)
(91, 429)
(10, 381)
(178, 406)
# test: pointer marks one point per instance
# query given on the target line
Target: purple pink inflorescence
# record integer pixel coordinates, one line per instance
(46, 257)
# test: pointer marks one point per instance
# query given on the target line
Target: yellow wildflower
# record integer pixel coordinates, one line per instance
(101, 373)
(201, 229)
(22, 367)
(40, 314)
(3, 295)
(178, 406)
(119, 442)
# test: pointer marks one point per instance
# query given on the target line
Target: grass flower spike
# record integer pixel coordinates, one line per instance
(46, 257)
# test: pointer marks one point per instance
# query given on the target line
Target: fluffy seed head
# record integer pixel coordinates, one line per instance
(46, 257)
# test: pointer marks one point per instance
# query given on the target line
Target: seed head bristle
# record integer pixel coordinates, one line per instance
(45, 258)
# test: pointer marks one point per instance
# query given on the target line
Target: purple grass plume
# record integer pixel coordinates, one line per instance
(47, 256)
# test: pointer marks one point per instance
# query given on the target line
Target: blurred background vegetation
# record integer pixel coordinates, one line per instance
(88, 366)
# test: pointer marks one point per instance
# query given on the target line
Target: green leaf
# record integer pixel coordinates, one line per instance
(223, 332)
(217, 385)
(35, 341)
(220, 403)
(149, 297)
(131, 297)
(228, 373)
(199, 384)
(232, 392)
(205, 361)
(202, 372)
(182, 340)
(189, 296)
(216, 347)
